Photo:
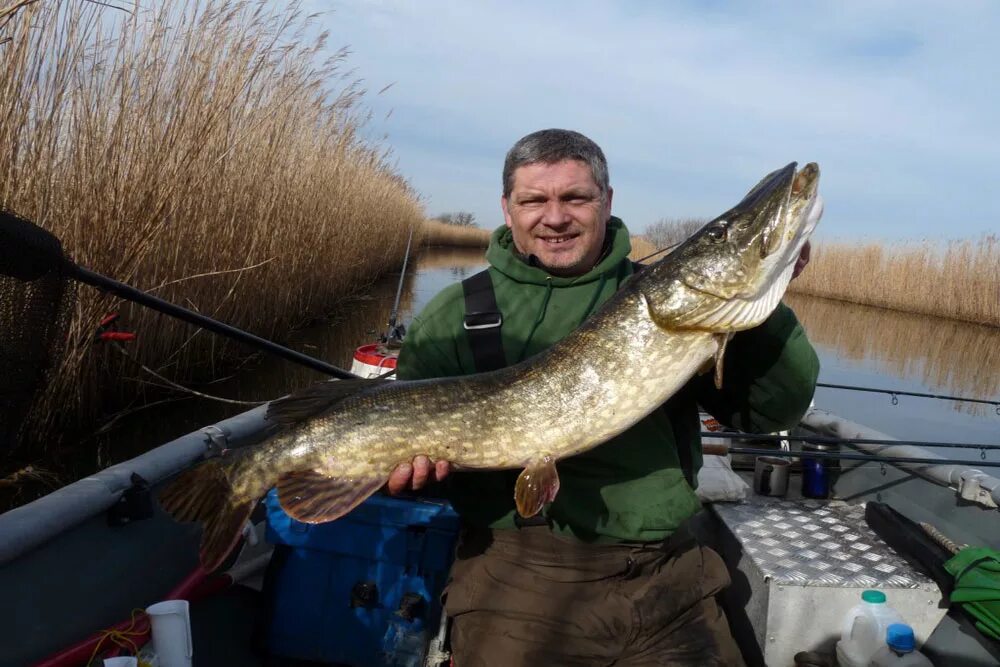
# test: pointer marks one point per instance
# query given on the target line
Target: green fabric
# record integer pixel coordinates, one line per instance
(631, 488)
(977, 586)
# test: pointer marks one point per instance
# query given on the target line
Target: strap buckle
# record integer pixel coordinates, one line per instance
(482, 320)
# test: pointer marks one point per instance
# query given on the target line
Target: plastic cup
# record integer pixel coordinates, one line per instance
(171, 624)
(122, 661)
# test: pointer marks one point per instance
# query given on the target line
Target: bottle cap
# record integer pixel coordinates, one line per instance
(899, 637)
(875, 597)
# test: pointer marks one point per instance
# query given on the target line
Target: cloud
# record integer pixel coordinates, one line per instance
(693, 102)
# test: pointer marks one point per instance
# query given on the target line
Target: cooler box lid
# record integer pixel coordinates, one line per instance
(382, 528)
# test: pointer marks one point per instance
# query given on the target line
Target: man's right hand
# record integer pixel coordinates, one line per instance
(414, 476)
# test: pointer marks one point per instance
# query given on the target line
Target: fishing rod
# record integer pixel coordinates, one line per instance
(722, 450)
(896, 392)
(394, 334)
(659, 252)
(824, 440)
(28, 252)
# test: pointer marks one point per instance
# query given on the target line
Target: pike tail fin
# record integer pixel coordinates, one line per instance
(205, 494)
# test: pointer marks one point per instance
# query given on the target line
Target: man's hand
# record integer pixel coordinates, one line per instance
(414, 476)
(803, 259)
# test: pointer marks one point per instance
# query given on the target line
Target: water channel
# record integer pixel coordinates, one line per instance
(857, 345)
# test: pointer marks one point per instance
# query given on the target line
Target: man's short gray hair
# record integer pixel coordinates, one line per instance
(551, 146)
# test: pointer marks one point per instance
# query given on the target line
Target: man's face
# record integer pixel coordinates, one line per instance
(556, 213)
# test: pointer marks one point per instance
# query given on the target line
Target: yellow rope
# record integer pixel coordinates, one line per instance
(121, 638)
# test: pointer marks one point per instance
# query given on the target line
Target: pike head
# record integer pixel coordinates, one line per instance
(732, 273)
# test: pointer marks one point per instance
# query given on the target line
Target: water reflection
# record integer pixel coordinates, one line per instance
(362, 320)
(870, 347)
(944, 355)
(461, 261)
(356, 322)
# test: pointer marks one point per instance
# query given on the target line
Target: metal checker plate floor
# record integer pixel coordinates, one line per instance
(817, 543)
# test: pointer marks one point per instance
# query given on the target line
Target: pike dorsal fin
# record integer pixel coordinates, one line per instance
(315, 399)
(310, 496)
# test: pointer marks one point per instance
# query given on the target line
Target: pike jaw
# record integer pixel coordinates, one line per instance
(732, 273)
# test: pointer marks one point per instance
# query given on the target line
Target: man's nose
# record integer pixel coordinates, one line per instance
(555, 212)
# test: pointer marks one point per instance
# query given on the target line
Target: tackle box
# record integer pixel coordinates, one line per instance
(798, 568)
(361, 590)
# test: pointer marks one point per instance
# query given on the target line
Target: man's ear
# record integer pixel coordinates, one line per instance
(607, 203)
(506, 212)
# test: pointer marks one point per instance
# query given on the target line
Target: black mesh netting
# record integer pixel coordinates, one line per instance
(34, 319)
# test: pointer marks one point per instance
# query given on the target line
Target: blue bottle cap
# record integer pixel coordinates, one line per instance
(899, 637)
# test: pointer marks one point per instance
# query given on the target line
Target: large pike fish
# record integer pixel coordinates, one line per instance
(340, 440)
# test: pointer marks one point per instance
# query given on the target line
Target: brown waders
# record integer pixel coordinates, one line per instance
(531, 597)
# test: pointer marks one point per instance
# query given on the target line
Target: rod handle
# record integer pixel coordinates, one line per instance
(712, 449)
(27, 252)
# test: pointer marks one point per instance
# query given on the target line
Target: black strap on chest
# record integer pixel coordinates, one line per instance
(482, 322)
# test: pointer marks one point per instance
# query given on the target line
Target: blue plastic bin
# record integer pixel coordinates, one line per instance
(362, 590)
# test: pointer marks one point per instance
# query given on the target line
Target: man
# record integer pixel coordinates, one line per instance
(608, 574)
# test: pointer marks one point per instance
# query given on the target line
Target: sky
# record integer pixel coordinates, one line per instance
(694, 102)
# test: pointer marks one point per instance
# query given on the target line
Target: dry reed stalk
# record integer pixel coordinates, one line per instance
(959, 280)
(435, 233)
(178, 146)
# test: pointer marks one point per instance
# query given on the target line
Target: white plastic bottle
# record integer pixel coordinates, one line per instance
(900, 649)
(864, 629)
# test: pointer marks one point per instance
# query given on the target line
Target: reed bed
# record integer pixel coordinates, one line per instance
(204, 150)
(437, 233)
(958, 280)
(667, 232)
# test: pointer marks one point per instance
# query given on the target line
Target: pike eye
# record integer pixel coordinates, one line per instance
(717, 233)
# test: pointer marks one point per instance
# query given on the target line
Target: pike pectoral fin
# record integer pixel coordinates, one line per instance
(536, 485)
(205, 494)
(721, 339)
(310, 496)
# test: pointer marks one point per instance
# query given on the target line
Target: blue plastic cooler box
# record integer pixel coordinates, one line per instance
(361, 590)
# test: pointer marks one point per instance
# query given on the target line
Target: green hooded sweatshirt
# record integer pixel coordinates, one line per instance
(631, 488)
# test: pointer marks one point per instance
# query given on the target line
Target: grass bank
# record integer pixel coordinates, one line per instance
(207, 151)
(958, 280)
